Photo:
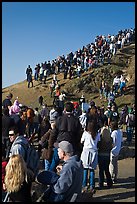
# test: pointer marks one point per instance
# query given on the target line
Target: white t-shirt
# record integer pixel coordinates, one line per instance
(88, 140)
(117, 136)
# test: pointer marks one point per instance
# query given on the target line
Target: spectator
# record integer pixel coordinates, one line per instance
(52, 87)
(117, 136)
(122, 86)
(70, 176)
(30, 123)
(130, 124)
(7, 123)
(47, 145)
(30, 80)
(17, 180)
(7, 101)
(28, 71)
(44, 126)
(44, 111)
(15, 108)
(116, 84)
(69, 128)
(53, 114)
(104, 148)
(89, 155)
(16, 140)
(101, 88)
(113, 115)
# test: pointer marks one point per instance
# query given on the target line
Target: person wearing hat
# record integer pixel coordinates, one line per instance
(69, 178)
(7, 101)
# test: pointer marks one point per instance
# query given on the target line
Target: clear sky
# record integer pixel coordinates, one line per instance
(35, 32)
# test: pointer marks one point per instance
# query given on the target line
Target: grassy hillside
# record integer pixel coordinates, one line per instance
(88, 84)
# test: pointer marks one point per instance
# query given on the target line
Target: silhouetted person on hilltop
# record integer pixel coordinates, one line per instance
(30, 80)
(28, 71)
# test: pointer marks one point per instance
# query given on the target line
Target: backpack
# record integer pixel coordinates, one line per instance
(31, 157)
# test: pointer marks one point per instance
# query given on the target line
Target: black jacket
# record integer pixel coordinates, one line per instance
(68, 129)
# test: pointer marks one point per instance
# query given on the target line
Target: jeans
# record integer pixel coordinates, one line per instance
(103, 162)
(91, 178)
(55, 160)
(129, 132)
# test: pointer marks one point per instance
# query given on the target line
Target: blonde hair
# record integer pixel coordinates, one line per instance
(16, 173)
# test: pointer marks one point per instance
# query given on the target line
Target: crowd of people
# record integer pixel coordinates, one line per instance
(90, 56)
(74, 138)
(72, 141)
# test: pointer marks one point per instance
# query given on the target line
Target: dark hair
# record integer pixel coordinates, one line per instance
(114, 125)
(69, 107)
(92, 128)
(36, 109)
(10, 95)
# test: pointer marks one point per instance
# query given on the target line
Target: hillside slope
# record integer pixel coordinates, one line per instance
(88, 84)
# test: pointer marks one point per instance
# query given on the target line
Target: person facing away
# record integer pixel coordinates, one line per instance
(17, 181)
(28, 71)
(104, 148)
(69, 128)
(69, 180)
(89, 155)
(117, 136)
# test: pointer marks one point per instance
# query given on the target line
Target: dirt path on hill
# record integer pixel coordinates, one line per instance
(122, 191)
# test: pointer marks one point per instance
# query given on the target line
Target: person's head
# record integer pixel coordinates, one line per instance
(65, 150)
(16, 172)
(36, 109)
(114, 125)
(69, 107)
(92, 103)
(113, 108)
(92, 128)
(93, 110)
(13, 133)
(10, 95)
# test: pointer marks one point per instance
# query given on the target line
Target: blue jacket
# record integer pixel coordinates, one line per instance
(17, 148)
(70, 180)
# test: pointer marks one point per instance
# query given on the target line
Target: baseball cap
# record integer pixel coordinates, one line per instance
(66, 146)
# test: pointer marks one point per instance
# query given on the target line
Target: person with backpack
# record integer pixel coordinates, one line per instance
(20, 145)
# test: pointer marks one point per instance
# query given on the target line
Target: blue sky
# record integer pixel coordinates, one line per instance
(35, 32)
